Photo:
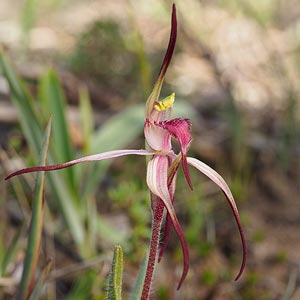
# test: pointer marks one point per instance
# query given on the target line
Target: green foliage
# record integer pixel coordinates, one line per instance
(258, 236)
(83, 287)
(162, 293)
(64, 186)
(31, 123)
(281, 256)
(134, 199)
(252, 289)
(199, 213)
(209, 277)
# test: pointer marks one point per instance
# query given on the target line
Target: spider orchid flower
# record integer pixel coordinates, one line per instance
(162, 168)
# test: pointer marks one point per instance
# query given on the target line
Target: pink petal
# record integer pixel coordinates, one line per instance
(172, 172)
(157, 177)
(218, 180)
(179, 129)
(165, 64)
(90, 158)
(156, 137)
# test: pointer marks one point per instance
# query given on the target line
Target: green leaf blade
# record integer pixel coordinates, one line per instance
(136, 292)
(53, 102)
(114, 288)
(24, 103)
(35, 231)
(32, 128)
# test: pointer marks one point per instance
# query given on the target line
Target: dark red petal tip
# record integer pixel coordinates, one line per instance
(171, 45)
(38, 169)
(244, 245)
(164, 66)
(186, 170)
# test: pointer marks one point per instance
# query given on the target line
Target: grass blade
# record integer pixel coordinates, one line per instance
(114, 281)
(53, 102)
(11, 251)
(32, 128)
(136, 292)
(89, 201)
(35, 230)
(24, 102)
(41, 281)
(86, 119)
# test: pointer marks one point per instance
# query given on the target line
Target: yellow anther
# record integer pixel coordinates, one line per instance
(165, 104)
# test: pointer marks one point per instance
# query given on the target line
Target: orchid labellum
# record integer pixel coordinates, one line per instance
(162, 169)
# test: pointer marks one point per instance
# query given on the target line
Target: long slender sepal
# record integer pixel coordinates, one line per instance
(90, 158)
(153, 98)
(219, 181)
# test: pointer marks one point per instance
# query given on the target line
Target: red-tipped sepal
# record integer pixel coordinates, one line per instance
(157, 178)
(219, 181)
(153, 98)
(90, 158)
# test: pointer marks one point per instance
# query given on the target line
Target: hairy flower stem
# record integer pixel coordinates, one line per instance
(158, 210)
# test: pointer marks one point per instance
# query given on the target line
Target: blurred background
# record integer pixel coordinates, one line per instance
(236, 75)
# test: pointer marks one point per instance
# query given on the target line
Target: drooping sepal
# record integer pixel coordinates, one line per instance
(157, 181)
(89, 158)
(219, 181)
